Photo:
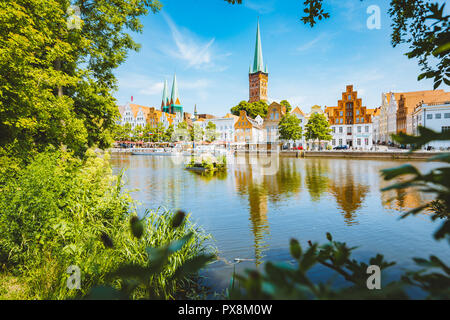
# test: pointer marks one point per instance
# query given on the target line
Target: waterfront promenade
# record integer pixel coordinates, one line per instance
(351, 154)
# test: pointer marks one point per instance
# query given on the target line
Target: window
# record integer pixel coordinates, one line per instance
(359, 141)
(357, 112)
(359, 129)
(362, 120)
(367, 128)
(445, 128)
(429, 116)
(340, 142)
(349, 129)
(340, 129)
(333, 129)
(357, 120)
(341, 113)
(342, 120)
(349, 97)
(446, 115)
(333, 142)
(366, 141)
(437, 116)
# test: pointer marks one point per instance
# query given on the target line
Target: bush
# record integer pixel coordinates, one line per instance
(55, 213)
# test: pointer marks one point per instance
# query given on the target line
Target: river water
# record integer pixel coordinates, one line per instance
(254, 209)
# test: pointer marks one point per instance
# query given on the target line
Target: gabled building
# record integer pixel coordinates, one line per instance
(350, 121)
(247, 130)
(258, 75)
(274, 114)
(408, 101)
(133, 114)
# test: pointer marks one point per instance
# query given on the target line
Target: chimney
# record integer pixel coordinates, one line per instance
(131, 98)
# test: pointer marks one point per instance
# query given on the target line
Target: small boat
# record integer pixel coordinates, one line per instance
(151, 152)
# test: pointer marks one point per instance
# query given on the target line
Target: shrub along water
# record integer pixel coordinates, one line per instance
(60, 211)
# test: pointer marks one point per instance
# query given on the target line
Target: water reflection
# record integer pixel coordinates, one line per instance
(248, 209)
(316, 179)
(250, 184)
(348, 191)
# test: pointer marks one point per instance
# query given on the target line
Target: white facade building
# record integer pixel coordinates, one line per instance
(434, 116)
(388, 117)
(129, 115)
(224, 127)
(357, 136)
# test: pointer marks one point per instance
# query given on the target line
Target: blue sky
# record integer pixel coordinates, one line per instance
(210, 45)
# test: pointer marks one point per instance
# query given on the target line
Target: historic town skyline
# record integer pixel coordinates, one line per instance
(211, 61)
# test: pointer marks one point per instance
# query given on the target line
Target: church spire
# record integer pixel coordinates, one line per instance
(174, 99)
(258, 64)
(165, 97)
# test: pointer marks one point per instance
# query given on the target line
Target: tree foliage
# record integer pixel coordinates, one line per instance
(210, 132)
(287, 105)
(318, 128)
(56, 82)
(290, 128)
(253, 109)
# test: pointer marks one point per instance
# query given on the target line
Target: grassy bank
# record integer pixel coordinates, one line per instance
(60, 211)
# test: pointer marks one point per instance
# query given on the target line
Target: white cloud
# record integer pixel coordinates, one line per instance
(260, 6)
(323, 39)
(196, 53)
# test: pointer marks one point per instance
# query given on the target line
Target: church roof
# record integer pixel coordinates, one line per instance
(174, 98)
(165, 96)
(258, 63)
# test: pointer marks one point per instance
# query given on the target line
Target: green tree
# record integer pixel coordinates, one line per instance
(158, 132)
(138, 133)
(290, 128)
(318, 128)
(56, 82)
(286, 104)
(169, 134)
(210, 132)
(253, 109)
(182, 132)
(196, 132)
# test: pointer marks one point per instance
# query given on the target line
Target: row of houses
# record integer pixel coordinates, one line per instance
(406, 111)
(352, 124)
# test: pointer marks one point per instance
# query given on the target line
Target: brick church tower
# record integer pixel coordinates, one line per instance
(258, 75)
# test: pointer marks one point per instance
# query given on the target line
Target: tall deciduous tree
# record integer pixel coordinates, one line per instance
(318, 128)
(290, 128)
(56, 79)
(253, 109)
(210, 132)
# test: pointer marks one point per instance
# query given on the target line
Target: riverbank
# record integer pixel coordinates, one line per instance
(391, 155)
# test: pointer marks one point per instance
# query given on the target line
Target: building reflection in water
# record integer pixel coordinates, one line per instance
(345, 187)
(260, 188)
(402, 199)
(316, 179)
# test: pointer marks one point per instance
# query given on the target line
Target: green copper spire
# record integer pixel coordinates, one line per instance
(165, 97)
(174, 97)
(258, 64)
